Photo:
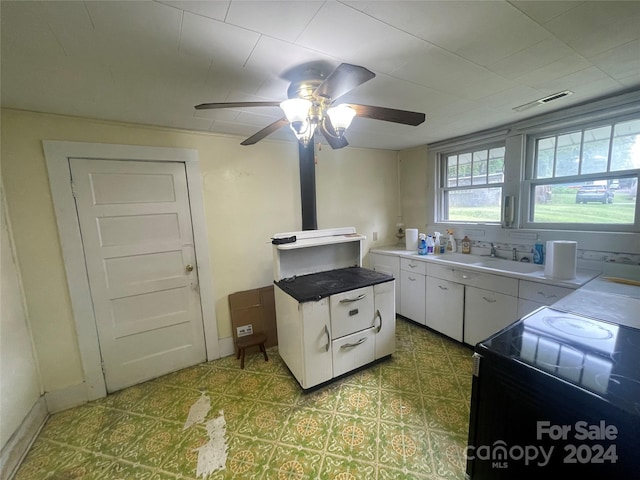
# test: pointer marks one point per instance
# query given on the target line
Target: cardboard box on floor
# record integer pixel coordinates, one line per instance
(258, 308)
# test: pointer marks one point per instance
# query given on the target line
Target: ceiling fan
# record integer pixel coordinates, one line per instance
(310, 105)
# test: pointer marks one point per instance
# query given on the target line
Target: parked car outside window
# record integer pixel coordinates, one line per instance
(594, 193)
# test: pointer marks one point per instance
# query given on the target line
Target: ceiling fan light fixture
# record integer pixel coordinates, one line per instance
(296, 109)
(341, 117)
(303, 131)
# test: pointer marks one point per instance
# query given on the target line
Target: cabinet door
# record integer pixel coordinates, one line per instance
(385, 319)
(445, 307)
(486, 313)
(412, 299)
(525, 307)
(316, 343)
(391, 266)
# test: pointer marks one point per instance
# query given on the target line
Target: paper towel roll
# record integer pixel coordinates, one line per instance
(561, 259)
(411, 239)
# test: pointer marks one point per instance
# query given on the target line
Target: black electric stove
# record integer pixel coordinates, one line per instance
(561, 384)
(315, 286)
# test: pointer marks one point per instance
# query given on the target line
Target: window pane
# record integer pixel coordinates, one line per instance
(480, 167)
(609, 201)
(473, 205)
(496, 165)
(544, 160)
(625, 151)
(464, 169)
(595, 150)
(568, 154)
(452, 171)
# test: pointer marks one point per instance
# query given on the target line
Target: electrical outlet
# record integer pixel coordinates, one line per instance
(375, 236)
(244, 330)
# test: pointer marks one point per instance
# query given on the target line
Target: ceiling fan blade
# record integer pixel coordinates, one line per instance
(266, 131)
(342, 80)
(209, 106)
(330, 136)
(388, 114)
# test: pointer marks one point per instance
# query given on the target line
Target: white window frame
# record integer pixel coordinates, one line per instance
(442, 188)
(527, 191)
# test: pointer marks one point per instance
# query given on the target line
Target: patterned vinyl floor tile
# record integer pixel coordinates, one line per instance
(403, 418)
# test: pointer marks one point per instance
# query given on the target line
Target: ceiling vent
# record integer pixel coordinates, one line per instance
(543, 101)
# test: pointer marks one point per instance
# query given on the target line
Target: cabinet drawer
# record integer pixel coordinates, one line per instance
(415, 266)
(541, 292)
(353, 351)
(487, 281)
(351, 311)
(385, 263)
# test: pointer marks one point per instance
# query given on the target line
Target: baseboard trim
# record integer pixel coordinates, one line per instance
(226, 346)
(68, 397)
(18, 445)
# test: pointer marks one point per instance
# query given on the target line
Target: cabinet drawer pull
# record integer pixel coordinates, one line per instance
(378, 315)
(547, 296)
(442, 288)
(490, 300)
(465, 276)
(413, 265)
(350, 300)
(351, 345)
(326, 330)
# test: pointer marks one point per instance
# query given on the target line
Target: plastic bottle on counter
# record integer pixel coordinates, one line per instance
(422, 244)
(538, 252)
(451, 242)
(430, 245)
(438, 248)
(466, 245)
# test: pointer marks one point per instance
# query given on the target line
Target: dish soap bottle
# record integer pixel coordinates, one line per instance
(430, 245)
(466, 245)
(422, 244)
(538, 252)
(451, 242)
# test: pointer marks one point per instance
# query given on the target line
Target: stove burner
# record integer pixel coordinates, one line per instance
(578, 327)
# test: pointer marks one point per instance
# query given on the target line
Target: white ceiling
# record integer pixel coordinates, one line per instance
(465, 64)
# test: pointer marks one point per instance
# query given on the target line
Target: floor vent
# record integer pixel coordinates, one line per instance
(544, 100)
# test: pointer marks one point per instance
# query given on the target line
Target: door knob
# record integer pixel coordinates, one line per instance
(189, 268)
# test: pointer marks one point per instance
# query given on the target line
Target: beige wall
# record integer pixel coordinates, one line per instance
(417, 186)
(250, 193)
(19, 382)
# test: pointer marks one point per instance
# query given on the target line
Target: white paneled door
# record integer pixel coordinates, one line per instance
(136, 231)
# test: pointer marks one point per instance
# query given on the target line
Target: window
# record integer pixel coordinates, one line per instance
(586, 176)
(471, 185)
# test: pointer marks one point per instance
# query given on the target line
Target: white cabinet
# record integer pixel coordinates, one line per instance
(389, 264)
(320, 340)
(445, 307)
(412, 289)
(533, 295)
(304, 338)
(486, 312)
(385, 319)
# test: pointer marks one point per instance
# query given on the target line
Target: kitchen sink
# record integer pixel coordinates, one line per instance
(489, 262)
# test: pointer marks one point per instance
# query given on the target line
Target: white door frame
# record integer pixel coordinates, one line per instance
(57, 154)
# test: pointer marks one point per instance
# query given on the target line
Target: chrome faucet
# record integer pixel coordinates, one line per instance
(493, 251)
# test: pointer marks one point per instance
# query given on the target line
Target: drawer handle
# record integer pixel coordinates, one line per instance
(412, 279)
(326, 330)
(465, 276)
(378, 315)
(490, 300)
(547, 296)
(351, 345)
(413, 265)
(442, 288)
(350, 300)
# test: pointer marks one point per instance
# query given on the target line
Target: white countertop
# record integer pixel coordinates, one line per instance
(534, 273)
(597, 295)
